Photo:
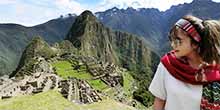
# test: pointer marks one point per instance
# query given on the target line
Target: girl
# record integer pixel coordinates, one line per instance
(188, 77)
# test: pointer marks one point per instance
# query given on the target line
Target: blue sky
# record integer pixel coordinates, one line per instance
(33, 12)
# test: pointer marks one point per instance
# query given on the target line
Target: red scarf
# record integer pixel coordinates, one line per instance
(183, 71)
(207, 75)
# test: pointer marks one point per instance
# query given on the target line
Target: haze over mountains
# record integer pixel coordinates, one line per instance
(151, 24)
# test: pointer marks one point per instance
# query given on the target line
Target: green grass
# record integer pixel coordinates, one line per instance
(98, 84)
(53, 100)
(65, 70)
(128, 82)
(108, 104)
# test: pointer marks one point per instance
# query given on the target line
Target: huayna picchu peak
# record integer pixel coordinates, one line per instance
(86, 14)
(92, 38)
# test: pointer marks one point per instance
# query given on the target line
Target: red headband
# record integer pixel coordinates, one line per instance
(189, 28)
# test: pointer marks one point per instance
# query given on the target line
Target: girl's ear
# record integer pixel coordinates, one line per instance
(195, 46)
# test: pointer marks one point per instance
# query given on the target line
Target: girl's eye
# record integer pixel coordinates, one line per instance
(176, 40)
(179, 41)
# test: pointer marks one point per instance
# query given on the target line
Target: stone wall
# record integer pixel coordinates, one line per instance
(79, 91)
(38, 82)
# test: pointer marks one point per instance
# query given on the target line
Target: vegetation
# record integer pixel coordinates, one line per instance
(53, 100)
(66, 47)
(142, 94)
(37, 47)
(128, 83)
(14, 38)
(65, 69)
(108, 104)
(98, 84)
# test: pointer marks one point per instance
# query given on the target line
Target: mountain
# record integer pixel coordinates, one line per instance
(92, 38)
(148, 23)
(205, 9)
(153, 24)
(14, 38)
(95, 54)
(37, 47)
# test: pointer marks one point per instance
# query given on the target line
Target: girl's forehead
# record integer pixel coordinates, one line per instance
(180, 33)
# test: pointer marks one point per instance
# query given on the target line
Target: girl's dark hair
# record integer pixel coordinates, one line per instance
(209, 30)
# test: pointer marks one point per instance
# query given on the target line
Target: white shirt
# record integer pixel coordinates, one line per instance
(178, 95)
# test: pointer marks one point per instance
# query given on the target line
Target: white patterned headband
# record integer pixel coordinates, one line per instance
(189, 28)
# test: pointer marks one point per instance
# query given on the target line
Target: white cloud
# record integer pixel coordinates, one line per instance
(70, 5)
(216, 0)
(161, 4)
(32, 12)
(7, 2)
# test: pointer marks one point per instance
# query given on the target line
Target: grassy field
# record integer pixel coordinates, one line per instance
(65, 70)
(98, 84)
(128, 82)
(53, 100)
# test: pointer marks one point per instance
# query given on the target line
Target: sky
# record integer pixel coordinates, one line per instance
(33, 12)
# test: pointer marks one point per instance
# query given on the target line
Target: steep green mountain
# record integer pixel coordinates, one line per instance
(36, 48)
(14, 38)
(12, 43)
(92, 38)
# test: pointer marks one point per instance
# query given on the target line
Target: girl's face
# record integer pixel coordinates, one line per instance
(182, 45)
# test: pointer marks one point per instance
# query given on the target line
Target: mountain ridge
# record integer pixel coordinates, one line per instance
(14, 38)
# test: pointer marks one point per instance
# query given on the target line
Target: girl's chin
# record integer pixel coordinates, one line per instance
(178, 55)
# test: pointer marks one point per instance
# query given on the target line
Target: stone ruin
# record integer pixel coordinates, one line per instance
(36, 83)
(74, 90)
(79, 91)
(107, 72)
(44, 78)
